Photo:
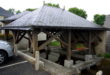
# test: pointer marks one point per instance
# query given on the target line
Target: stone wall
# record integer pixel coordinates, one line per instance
(107, 24)
(23, 44)
(101, 47)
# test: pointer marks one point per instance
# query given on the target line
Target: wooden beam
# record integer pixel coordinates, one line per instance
(20, 37)
(45, 43)
(30, 35)
(30, 40)
(26, 38)
(58, 39)
(27, 57)
(69, 46)
(17, 35)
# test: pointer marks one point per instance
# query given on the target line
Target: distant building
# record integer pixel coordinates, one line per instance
(4, 14)
(107, 24)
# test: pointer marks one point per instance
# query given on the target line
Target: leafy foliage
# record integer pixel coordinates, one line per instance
(2, 36)
(31, 9)
(79, 12)
(99, 19)
(55, 43)
(18, 11)
(105, 55)
(14, 11)
(11, 10)
(53, 5)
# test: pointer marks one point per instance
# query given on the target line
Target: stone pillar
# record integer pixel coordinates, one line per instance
(68, 63)
(37, 60)
(88, 57)
(101, 47)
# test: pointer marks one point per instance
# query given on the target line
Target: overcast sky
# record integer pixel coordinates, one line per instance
(90, 6)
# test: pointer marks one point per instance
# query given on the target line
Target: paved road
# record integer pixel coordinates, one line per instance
(12, 60)
(18, 66)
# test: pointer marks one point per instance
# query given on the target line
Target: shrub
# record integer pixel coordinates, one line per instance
(2, 36)
(55, 43)
(106, 55)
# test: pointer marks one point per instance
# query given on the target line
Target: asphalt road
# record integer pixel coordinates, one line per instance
(18, 66)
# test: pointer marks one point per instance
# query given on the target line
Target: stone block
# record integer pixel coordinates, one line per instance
(68, 63)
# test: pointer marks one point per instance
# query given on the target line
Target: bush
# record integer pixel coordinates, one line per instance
(106, 55)
(55, 43)
(2, 36)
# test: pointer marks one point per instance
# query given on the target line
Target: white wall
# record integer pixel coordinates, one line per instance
(1, 24)
(1, 17)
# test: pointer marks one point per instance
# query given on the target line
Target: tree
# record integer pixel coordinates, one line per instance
(18, 11)
(53, 5)
(31, 9)
(11, 10)
(14, 11)
(99, 19)
(79, 12)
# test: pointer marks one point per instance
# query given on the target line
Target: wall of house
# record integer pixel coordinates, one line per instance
(1, 24)
(1, 17)
(107, 24)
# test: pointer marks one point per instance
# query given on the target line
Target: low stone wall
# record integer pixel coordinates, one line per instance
(56, 69)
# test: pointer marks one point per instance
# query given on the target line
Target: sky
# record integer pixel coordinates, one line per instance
(90, 6)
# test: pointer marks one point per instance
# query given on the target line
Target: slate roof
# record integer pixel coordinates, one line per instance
(5, 13)
(47, 16)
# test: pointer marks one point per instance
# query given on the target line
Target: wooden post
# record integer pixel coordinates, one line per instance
(30, 41)
(35, 49)
(6, 34)
(69, 45)
(68, 63)
(58, 39)
(14, 43)
(89, 42)
(34, 42)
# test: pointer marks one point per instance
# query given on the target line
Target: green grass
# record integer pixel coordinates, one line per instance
(106, 55)
(55, 43)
